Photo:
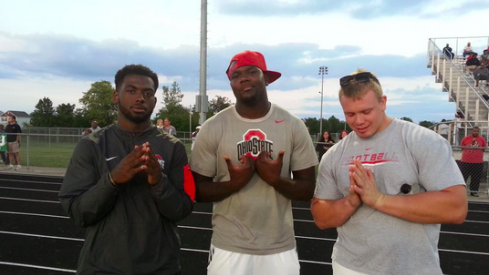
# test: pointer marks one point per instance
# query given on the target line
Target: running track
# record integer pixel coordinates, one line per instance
(36, 237)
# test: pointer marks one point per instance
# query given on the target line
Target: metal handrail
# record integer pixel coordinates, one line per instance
(463, 76)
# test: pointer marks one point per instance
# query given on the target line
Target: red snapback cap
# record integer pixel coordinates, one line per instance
(251, 58)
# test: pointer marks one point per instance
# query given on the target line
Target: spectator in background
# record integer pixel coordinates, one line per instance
(159, 124)
(472, 161)
(344, 133)
(472, 63)
(194, 136)
(13, 139)
(168, 128)
(457, 126)
(95, 128)
(468, 50)
(481, 73)
(3, 145)
(443, 129)
(485, 58)
(324, 143)
(448, 52)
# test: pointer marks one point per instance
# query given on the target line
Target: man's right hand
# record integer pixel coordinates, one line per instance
(129, 166)
(353, 197)
(240, 175)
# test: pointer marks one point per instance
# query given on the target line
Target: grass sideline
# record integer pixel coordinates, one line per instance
(56, 155)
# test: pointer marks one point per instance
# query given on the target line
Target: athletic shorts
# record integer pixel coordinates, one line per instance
(341, 270)
(223, 262)
(13, 147)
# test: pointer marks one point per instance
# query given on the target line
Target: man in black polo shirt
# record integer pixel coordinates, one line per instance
(13, 140)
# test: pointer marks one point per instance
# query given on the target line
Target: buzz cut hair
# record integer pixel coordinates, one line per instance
(137, 70)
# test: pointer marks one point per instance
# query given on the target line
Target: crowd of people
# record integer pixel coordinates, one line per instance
(129, 183)
(476, 65)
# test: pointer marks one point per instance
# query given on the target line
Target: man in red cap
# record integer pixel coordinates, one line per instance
(242, 162)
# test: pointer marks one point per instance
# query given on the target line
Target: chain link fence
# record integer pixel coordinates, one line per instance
(48, 152)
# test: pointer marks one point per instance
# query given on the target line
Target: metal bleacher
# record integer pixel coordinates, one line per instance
(459, 85)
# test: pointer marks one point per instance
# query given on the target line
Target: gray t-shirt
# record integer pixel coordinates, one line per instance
(373, 242)
(257, 219)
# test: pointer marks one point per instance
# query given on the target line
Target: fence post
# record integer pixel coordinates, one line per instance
(28, 151)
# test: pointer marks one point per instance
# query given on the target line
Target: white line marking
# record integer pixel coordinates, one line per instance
(194, 227)
(41, 236)
(462, 233)
(30, 181)
(39, 267)
(464, 252)
(33, 214)
(29, 189)
(315, 262)
(194, 250)
(31, 200)
(472, 221)
(111, 158)
(315, 238)
(203, 213)
(478, 211)
(301, 208)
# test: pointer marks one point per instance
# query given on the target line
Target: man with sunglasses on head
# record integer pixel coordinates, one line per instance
(386, 187)
(242, 162)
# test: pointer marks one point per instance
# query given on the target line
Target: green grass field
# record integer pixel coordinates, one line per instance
(52, 154)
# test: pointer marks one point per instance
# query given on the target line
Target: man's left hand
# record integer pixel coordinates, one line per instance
(151, 165)
(268, 169)
(366, 186)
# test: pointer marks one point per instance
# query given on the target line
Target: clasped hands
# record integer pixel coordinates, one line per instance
(267, 168)
(363, 187)
(141, 159)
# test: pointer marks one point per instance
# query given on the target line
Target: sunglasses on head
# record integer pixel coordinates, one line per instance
(360, 77)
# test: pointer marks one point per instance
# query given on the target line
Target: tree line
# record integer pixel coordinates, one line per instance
(97, 105)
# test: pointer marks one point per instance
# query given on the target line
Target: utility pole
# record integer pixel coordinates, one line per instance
(322, 71)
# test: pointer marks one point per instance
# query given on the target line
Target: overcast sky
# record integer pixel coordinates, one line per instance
(57, 48)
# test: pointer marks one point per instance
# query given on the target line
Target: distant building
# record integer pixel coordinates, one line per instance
(21, 117)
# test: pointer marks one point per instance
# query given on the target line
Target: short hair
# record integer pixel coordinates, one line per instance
(137, 70)
(475, 127)
(14, 117)
(356, 89)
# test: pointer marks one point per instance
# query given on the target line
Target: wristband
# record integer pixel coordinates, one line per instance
(112, 180)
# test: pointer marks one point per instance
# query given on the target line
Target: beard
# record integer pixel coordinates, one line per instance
(135, 118)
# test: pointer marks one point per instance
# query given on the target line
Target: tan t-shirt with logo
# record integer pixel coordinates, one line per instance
(256, 220)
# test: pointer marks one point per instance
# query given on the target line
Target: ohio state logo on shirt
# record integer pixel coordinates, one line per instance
(254, 142)
(161, 161)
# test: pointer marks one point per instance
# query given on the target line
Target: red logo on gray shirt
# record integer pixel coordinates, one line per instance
(254, 142)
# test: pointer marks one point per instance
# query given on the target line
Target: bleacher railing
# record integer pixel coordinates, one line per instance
(438, 60)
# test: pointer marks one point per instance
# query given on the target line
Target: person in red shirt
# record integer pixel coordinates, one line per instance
(473, 148)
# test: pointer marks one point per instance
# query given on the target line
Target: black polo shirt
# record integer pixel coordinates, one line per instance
(11, 130)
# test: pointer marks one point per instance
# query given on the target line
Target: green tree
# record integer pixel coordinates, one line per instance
(174, 111)
(98, 105)
(427, 124)
(406, 119)
(43, 115)
(80, 120)
(65, 115)
(218, 104)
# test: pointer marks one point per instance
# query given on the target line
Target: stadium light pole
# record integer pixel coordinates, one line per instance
(322, 71)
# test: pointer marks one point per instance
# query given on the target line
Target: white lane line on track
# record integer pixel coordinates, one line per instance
(464, 252)
(31, 181)
(472, 221)
(314, 262)
(315, 238)
(31, 200)
(461, 233)
(34, 214)
(29, 189)
(41, 236)
(197, 250)
(39, 267)
(479, 211)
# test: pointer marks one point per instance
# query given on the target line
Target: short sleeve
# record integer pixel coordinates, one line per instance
(204, 155)
(303, 153)
(326, 184)
(436, 165)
